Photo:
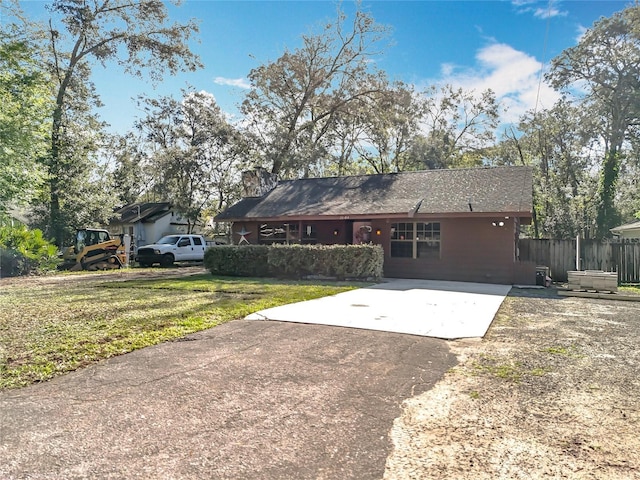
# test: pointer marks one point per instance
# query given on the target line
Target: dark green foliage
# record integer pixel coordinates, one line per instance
(23, 123)
(297, 261)
(239, 261)
(608, 216)
(24, 251)
(339, 261)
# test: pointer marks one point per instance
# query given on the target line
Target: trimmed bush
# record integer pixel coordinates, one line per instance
(24, 252)
(297, 261)
(238, 261)
(337, 261)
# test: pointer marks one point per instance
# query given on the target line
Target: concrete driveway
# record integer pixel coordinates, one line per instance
(245, 400)
(429, 308)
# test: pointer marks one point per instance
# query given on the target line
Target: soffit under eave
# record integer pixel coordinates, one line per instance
(309, 218)
(380, 216)
(473, 215)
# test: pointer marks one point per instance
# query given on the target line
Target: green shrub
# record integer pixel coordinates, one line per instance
(238, 261)
(24, 252)
(339, 261)
(297, 261)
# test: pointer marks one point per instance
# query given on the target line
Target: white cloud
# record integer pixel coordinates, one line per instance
(514, 77)
(520, 3)
(447, 69)
(548, 11)
(233, 82)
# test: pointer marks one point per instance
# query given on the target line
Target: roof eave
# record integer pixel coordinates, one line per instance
(372, 216)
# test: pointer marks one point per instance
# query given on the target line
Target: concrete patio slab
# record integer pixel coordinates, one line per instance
(429, 308)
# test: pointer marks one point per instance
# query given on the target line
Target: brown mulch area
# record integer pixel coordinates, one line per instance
(552, 391)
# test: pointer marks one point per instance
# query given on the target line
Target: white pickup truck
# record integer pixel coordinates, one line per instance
(172, 248)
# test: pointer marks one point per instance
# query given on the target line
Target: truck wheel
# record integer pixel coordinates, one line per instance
(167, 260)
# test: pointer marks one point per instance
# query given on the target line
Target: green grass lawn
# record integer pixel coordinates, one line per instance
(630, 289)
(47, 330)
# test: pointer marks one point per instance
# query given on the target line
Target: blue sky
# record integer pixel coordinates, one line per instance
(475, 44)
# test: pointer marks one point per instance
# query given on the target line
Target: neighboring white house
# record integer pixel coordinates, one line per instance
(147, 222)
(628, 230)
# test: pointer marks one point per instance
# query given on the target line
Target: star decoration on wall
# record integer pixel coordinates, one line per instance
(243, 236)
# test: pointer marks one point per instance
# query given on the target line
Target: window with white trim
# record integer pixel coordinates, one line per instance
(415, 240)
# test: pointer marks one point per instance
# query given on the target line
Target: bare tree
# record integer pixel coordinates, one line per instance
(194, 154)
(390, 122)
(296, 100)
(458, 125)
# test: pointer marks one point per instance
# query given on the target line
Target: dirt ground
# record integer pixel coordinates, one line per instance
(552, 391)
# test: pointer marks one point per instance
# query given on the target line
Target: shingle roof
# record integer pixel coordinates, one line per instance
(626, 227)
(135, 212)
(489, 190)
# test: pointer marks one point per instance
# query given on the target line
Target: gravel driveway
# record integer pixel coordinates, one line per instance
(553, 391)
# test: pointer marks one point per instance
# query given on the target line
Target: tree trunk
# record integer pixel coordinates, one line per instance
(55, 220)
(55, 167)
(607, 216)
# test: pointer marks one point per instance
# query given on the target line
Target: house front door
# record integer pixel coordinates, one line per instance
(361, 233)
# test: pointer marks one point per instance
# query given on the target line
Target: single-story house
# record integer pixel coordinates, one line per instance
(628, 230)
(147, 222)
(455, 224)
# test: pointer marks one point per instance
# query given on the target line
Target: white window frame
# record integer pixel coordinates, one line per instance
(433, 238)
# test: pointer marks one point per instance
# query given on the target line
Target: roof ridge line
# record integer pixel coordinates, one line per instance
(408, 172)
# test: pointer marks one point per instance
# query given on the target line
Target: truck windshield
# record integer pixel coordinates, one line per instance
(169, 240)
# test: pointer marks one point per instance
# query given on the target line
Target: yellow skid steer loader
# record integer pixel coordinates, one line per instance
(94, 250)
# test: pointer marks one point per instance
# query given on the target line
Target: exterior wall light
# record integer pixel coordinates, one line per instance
(378, 232)
(336, 232)
(498, 224)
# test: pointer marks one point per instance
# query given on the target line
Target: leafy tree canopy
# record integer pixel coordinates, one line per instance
(605, 65)
(24, 100)
(136, 35)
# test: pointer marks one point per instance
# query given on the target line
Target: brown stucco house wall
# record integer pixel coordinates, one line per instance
(455, 224)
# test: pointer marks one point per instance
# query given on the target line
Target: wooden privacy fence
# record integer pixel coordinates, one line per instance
(608, 255)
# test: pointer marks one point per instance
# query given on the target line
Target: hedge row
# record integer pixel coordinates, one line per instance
(296, 261)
